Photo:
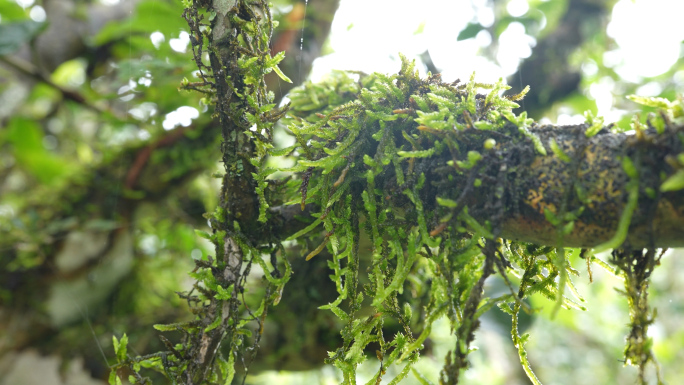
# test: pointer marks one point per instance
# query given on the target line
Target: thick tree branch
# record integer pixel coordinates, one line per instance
(597, 183)
(658, 220)
(540, 183)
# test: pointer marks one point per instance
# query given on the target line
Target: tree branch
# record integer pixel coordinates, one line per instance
(28, 69)
(542, 181)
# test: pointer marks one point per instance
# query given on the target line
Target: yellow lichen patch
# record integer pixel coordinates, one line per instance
(590, 159)
(547, 206)
(604, 191)
(535, 198)
(537, 163)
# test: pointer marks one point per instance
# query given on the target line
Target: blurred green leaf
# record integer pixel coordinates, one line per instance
(580, 103)
(501, 25)
(420, 29)
(470, 31)
(101, 225)
(674, 182)
(14, 35)
(121, 347)
(553, 11)
(150, 16)
(11, 11)
(281, 74)
(26, 138)
(70, 73)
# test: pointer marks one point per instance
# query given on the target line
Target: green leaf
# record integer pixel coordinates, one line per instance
(483, 125)
(14, 35)
(69, 73)
(115, 343)
(629, 168)
(551, 217)
(473, 158)
(416, 154)
(113, 378)
(474, 224)
(281, 74)
(99, 224)
(280, 152)
(150, 16)
(568, 227)
(470, 31)
(651, 101)
(674, 183)
(305, 230)
(213, 325)
(11, 11)
(559, 151)
(122, 348)
(446, 202)
(420, 29)
(623, 224)
(224, 294)
(538, 146)
(165, 328)
(26, 138)
(595, 123)
(203, 234)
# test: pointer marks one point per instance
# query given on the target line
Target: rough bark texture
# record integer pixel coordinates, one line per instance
(543, 183)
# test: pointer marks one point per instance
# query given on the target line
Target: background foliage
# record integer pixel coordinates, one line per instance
(106, 169)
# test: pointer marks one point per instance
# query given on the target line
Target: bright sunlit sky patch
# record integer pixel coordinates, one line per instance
(182, 116)
(649, 34)
(362, 43)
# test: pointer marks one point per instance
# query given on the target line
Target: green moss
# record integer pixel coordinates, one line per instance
(375, 147)
(371, 148)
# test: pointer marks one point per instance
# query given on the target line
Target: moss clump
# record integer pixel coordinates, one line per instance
(398, 165)
(426, 172)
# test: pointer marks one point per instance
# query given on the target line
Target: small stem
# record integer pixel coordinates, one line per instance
(30, 70)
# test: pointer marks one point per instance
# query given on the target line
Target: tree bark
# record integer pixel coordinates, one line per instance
(544, 182)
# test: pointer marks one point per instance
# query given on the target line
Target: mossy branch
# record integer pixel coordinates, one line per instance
(431, 155)
(434, 174)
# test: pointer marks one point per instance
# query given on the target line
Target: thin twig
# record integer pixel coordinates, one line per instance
(27, 68)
